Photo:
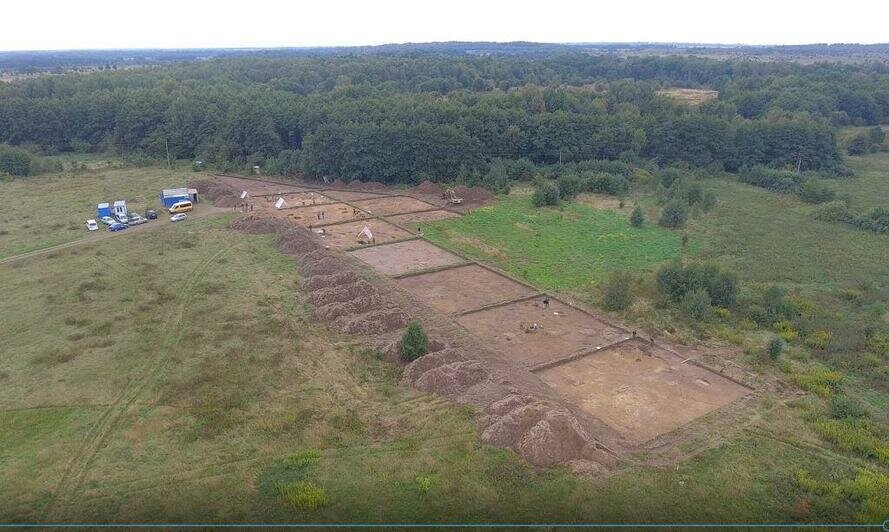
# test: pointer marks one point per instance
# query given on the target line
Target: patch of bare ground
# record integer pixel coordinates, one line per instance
(220, 194)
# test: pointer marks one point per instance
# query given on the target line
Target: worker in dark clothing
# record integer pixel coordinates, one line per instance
(546, 302)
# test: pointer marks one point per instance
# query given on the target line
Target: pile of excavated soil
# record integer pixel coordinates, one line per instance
(428, 187)
(341, 293)
(201, 185)
(257, 225)
(359, 305)
(474, 194)
(221, 195)
(323, 267)
(327, 281)
(375, 322)
(296, 241)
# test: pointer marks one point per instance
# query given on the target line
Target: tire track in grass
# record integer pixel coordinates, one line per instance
(78, 467)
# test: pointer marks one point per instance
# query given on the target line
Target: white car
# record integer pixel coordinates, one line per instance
(91, 225)
(178, 217)
(107, 220)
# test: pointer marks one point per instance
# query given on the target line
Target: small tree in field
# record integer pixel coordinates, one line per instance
(413, 343)
(617, 292)
(637, 218)
(673, 216)
(545, 193)
(776, 345)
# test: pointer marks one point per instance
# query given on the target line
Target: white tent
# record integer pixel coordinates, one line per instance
(366, 234)
(244, 194)
(279, 203)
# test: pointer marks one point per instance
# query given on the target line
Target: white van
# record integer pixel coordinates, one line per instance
(91, 225)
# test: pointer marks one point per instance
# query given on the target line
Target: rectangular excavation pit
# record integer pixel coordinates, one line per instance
(422, 217)
(405, 257)
(311, 215)
(392, 205)
(640, 390)
(562, 330)
(291, 199)
(345, 235)
(352, 195)
(463, 288)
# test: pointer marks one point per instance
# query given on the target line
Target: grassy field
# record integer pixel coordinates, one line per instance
(175, 376)
(569, 248)
(40, 212)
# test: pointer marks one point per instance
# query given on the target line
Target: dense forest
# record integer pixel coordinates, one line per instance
(401, 117)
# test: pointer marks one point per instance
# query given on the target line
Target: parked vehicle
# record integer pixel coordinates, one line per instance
(122, 218)
(107, 220)
(181, 206)
(136, 219)
(91, 225)
(178, 217)
(151, 214)
(117, 227)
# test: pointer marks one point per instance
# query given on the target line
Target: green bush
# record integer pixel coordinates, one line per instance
(546, 193)
(676, 280)
(413, 343)
(16, 161)
(614, 185)
(694, 194)
(303, 496)
(569, 186)
(819, 380)
(696, 304)
(617, 292)
(843, 407)
(673, 216)
(813, 191)
(637, 218)
(708, 202)
(776, 345)
(834, 211)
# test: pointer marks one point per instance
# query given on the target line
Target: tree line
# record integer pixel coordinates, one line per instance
(398, 118)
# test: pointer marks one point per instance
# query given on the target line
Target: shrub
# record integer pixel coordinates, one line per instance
(694, 194)
(708, 202)
(786, 330)
(856, 435)
(304, 495)
(818, 339)
(669, 176)
(569, 186)
(545, 193)
(673, 216)
(834, 211)
(637, 218)
(876, 220)
(16, 161)
(696, 304)
(776, 345)
(843, 407)
(775, 180)
(614, 185)
(819, 380)
(413, 343)
(813, 191)
(617, 292)
(675, 281)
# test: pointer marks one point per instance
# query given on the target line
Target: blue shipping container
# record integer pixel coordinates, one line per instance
(170, 196)
(103, 210)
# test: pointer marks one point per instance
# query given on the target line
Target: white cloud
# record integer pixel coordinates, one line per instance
(264, 23)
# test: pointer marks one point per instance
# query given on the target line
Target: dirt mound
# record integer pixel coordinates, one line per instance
(341, 293)
(360, 305)
(323, 267)
(326, 281)
(257, 225)
(452, 379)
(201, 185)
(428, 187)
(417, 368)
(296, 241)
(376, 322)
(555, 439)
(508, 429)
(227, 200)
(474, 194)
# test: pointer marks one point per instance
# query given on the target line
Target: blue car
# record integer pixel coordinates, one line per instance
(117, 227)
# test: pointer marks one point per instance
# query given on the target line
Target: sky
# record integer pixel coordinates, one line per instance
(91, 24)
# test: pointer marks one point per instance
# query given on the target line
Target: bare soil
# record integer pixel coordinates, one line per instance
(641, 390)
(342, 236)
(348, 195)
(562, 330)
(256, 188)
(420, 217)
(463, 288)
(392, 205)
(404, 257)
(316, 215)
